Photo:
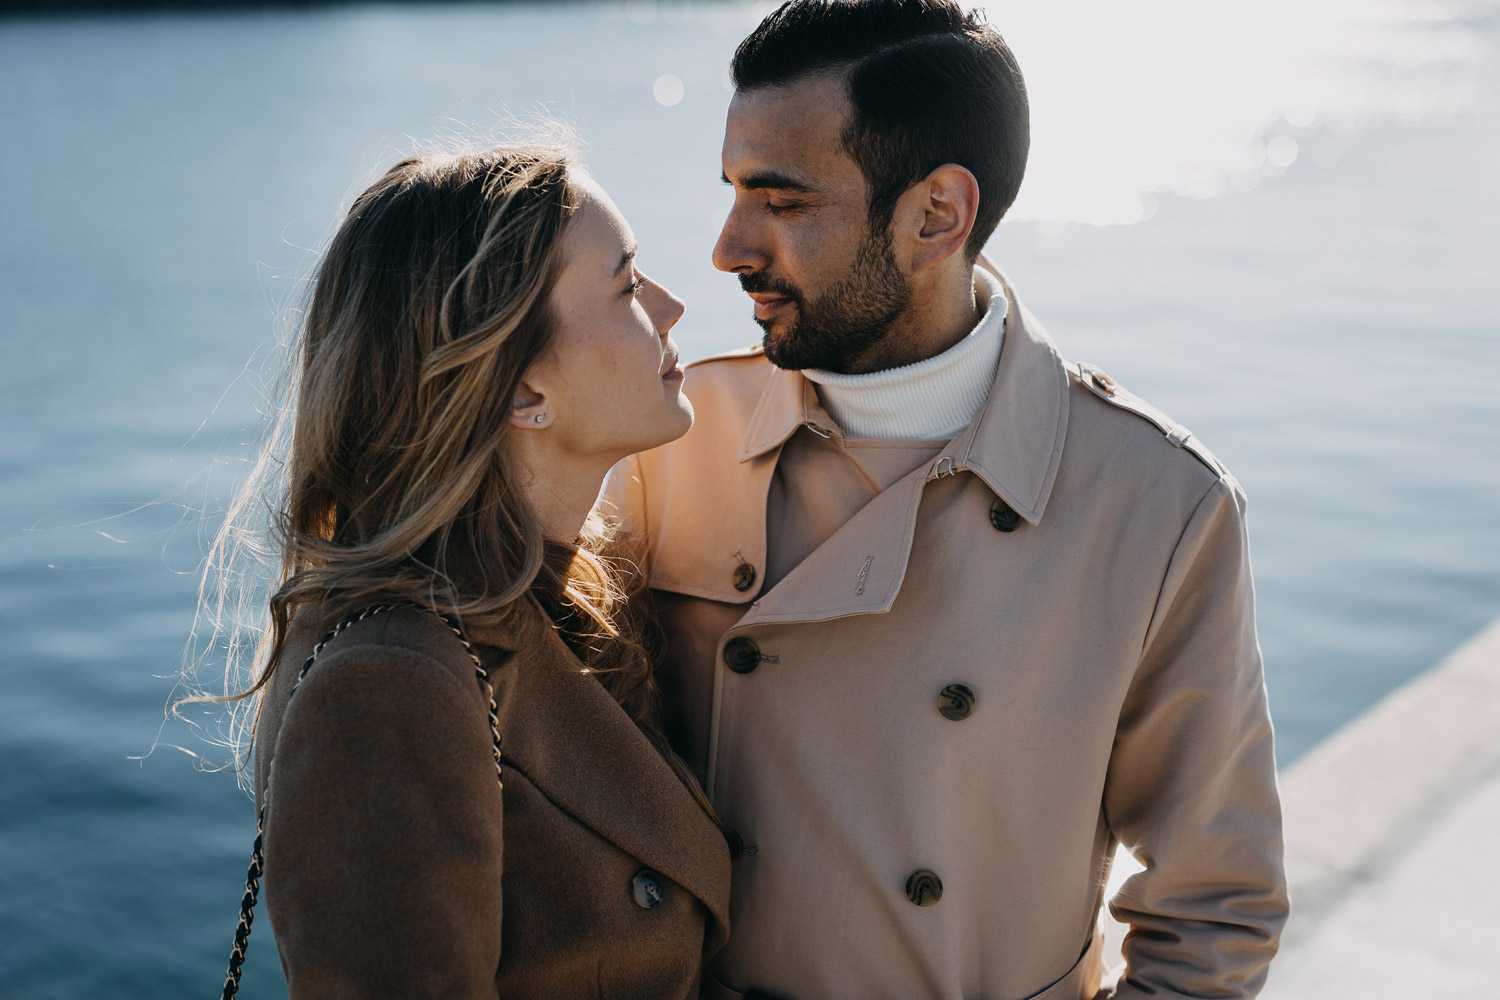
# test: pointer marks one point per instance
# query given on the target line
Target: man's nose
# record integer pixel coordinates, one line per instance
(737, 250)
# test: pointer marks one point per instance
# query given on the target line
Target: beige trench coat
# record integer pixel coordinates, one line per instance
(1108, 643)
(396, 866)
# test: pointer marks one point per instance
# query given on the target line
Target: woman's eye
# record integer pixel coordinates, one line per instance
(635, 286)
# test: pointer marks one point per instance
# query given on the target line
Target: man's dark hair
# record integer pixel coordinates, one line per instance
(928, 84)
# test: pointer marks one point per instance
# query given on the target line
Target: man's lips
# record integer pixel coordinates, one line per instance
(767, 304)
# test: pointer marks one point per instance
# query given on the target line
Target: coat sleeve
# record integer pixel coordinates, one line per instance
(383, 832)
(1191, 790)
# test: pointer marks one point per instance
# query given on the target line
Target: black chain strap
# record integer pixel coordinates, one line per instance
(257, 855)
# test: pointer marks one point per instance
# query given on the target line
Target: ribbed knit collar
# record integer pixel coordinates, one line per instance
(928, 400)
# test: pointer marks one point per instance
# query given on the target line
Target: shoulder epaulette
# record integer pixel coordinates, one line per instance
(753, 351)
(1096, 381)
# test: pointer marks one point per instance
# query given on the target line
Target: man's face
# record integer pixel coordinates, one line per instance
(826, 289)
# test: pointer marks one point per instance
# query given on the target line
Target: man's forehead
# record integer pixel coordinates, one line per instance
(794, 129)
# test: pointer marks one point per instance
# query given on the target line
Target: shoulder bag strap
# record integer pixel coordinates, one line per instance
(257, 856)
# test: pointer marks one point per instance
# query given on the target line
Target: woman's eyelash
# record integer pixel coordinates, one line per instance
(634, 286)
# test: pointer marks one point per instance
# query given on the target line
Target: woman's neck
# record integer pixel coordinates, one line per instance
(560, 490)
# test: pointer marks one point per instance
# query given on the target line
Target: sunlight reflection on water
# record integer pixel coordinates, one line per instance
(1133, 100)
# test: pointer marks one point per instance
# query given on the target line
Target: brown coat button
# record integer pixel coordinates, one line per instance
(1003, 517)
(744, 577)
(956, 702)
(741, 654)
(649, 889)
(924, 888)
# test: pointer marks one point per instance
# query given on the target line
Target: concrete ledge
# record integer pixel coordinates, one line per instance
(1360, 799)
(1357, 811)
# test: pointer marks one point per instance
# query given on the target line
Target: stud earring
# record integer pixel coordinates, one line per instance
(541, 418)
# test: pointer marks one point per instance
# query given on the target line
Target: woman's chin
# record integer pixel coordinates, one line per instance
(679, 420)
(683, 417)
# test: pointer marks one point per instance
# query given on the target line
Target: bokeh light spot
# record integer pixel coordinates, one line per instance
(1281, 151)
(668, 90)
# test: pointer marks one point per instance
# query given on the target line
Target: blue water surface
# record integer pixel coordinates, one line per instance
(1332, 334)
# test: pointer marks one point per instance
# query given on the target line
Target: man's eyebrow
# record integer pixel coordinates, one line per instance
(627, 257)
(770, 180)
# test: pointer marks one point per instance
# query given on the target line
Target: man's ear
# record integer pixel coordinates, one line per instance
(528, 407)
(938, 214)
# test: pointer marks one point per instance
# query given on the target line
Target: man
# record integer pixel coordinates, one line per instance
(947, 617)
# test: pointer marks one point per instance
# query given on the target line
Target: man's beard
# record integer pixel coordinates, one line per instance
(846, 322)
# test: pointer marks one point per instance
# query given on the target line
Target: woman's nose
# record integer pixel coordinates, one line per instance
(667, 310)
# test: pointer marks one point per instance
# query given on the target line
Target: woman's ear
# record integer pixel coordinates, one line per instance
(528, 407)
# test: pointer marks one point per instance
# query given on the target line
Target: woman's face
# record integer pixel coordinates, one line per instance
(611, 381)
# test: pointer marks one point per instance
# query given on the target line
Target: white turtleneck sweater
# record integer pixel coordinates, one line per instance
(932, 399)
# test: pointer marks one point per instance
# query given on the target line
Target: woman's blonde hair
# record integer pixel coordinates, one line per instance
(429, 306)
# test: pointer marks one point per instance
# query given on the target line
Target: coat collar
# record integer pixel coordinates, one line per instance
(1014, 443)
(788, 402)
(593, 762)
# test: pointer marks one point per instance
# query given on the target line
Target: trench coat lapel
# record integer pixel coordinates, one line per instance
(856, 571)
(707, 542)
(595, 764)
(1014, 444)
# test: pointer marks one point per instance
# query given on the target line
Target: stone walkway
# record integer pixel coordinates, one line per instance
(1425, 927)
(1393, 845)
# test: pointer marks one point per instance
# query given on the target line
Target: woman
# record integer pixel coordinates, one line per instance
(479, 349)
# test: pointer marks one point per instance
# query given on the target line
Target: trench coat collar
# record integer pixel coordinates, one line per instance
(594, 763)
(789, 401)
(1014, 443)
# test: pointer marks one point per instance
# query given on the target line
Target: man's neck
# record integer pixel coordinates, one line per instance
(942, 311)
(929, 400)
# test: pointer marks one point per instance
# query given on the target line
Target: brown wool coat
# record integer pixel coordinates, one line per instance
(1074, 559)
(397, 867)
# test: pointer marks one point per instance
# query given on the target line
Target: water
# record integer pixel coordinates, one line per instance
(1308, 283)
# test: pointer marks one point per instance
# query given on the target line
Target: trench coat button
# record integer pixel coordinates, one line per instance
(741, 654)
(649, 889)
(1003, 516)
(736, 844)
(1106, 383)
(956, 702)
(744, 577)
(924, 888)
